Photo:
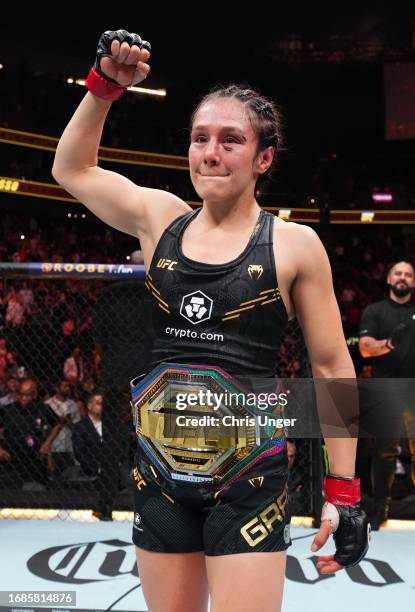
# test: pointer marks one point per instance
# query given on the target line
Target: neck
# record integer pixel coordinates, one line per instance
(230, 214)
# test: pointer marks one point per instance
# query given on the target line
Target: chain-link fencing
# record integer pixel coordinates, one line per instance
(71, 339)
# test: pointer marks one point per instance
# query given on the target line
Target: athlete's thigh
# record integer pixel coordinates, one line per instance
(173, 582)
(246, 581)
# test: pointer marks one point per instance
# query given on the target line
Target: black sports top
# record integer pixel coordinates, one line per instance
(229, 315)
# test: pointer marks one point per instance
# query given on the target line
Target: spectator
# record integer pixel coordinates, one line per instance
(87, 437)
(13, 387)
(74, 367)
(7, 359)
(15, 309)
(68, 412)
(29, 428)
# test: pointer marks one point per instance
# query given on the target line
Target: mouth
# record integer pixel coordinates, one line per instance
(213, 175)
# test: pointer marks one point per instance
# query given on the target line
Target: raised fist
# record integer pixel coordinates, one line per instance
(122, 57)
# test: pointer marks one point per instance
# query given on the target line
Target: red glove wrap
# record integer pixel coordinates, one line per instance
(100, 87)
(342, 491)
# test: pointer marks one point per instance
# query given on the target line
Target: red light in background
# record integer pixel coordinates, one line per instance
(382, 197)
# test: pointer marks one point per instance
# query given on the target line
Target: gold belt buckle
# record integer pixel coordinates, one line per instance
(198, 444)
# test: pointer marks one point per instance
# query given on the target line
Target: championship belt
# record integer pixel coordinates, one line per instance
(196, 440)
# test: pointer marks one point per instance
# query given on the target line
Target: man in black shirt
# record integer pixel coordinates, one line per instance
(387, 334)
(29, 428)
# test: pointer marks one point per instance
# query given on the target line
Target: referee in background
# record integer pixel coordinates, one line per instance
(387, 335)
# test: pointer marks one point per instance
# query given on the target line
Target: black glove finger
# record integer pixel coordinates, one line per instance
(105, 42)
(136, 40)
(146, 45)
(124, 36)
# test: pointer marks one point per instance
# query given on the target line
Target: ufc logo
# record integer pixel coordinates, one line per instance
(258, 528)
(166, 263)
(139, 480)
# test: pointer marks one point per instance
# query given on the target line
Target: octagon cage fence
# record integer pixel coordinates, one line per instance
(78, 332)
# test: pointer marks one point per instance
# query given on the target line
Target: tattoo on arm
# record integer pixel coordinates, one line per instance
(370, 347)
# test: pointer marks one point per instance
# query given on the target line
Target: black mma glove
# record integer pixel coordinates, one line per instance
(349, 524)
(97, 82)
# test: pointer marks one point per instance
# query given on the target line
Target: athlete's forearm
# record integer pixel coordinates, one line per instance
(78, 146)
(338, 408)
(342, 456)
(369, 347)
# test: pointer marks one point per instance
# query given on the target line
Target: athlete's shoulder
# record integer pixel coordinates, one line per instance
(302, 238)
(295, 229)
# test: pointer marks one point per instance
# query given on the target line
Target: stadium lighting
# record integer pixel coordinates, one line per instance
(22, 237)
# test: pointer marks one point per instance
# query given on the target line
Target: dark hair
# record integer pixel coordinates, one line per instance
(92, 396)
(264, 115)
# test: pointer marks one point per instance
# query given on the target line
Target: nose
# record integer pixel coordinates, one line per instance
(211, 153)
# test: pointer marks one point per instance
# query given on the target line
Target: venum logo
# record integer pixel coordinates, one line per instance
(196, 307)
(255, 271)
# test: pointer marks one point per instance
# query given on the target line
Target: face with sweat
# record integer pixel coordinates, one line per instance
(223, 156)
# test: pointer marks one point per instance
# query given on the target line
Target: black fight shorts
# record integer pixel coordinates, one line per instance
(249, 515)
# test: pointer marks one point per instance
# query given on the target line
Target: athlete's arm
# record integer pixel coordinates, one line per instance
(113, 198)
(318, 314)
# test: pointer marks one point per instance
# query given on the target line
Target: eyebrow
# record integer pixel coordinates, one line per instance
(225, 128)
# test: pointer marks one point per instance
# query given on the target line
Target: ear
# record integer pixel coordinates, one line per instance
(264, 160)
